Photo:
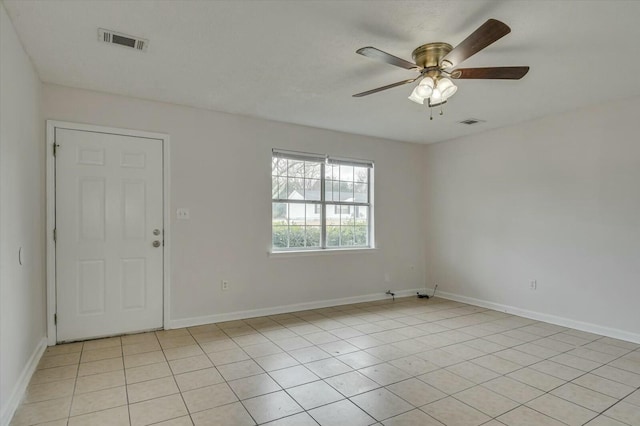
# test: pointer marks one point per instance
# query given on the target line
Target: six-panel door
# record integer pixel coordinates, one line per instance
(109, 213)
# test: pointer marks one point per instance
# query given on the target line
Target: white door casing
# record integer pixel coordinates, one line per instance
(108, 203)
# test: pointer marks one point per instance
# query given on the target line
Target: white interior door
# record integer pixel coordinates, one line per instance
(109, 234)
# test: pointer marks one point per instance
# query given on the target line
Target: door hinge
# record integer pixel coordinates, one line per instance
(55, 148)
(55, 319)
(55, 235)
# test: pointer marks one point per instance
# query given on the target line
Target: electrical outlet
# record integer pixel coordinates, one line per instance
(224, 285)
(183, 214)
(533, 284)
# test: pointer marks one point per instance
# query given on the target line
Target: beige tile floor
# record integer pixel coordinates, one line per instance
(408, 362)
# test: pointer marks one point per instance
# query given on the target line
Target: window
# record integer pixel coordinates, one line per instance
(341, 209)
(320, 202)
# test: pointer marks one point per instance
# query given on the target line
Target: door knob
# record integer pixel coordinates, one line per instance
(156, 232)
(156, 243)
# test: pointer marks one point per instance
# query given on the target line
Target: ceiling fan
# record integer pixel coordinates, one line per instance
(436, 64)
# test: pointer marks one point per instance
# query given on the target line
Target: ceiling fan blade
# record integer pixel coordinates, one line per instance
(373, 53)
(389, 86)
(503, 73)
(488, 33)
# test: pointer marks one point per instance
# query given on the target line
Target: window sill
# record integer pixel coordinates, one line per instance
(321, 252)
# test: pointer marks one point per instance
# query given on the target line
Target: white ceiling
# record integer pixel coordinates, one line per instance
(295, 61)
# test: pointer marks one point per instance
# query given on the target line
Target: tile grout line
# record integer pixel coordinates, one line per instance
(374, 315)
(223, 378)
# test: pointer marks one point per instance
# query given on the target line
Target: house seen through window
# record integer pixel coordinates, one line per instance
(320, 202)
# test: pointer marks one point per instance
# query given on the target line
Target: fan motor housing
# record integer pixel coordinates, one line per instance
(431, 54)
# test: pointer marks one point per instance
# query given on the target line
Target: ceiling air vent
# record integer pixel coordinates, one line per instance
(471, 121)
(125, 40)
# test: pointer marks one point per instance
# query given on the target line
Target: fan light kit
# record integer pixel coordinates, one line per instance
(436, 92)
(436, 62)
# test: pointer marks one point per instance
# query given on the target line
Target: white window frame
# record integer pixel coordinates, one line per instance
(325, 160)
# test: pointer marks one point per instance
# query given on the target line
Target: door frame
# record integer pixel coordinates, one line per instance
(52, 125)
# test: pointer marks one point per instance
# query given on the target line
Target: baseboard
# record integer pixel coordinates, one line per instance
(23, 381)
(230, 316)
(539, 316)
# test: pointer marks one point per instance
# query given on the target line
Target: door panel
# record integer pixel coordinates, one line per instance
(90, 287)
(109, 276)
(92, 209)
(133, 283)
(133, 210)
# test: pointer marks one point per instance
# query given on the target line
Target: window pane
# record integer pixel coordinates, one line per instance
(361, 192)
(283, 165)
(361, 215)
(333, 214)
(332, 190)
(328, 190)
(333, 235)
(296, 236)
(361, 234)
(278, 166)
(313, 214)
(280, 236)
(312, 189)
(335, 196)
(346, 173)
(346, 218)
(295, 169)
(282, 187)
(295, 188)
(297, 213)
(312, 170)
(279, 214)
(346, 236)
(331, 172)
(313, 236)
(360, 174)
(346, 191)
(274, 187)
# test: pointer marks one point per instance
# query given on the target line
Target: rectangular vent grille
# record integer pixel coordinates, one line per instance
(471, 121)
(124, 40)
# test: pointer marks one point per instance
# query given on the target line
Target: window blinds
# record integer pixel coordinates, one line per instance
(306, 156)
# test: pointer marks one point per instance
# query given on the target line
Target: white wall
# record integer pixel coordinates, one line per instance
(22, 289)
(555, 200)
(220, 170)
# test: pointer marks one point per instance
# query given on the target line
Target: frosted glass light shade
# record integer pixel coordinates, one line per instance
(446, 88)
(425, 87)
(415, 97)
(436, 97)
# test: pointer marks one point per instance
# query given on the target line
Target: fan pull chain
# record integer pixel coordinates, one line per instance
(431, 110)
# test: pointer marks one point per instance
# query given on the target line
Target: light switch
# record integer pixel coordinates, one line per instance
(183, 214)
